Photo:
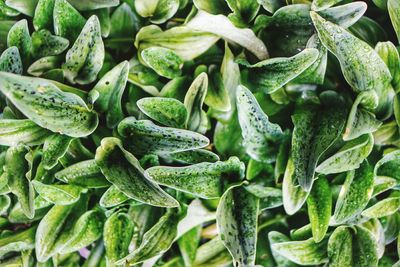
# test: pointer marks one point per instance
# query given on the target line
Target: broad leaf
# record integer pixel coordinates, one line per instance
(45, 44)
(163, 61)
(10, 61)
(54, 148)
(159, 11)
(193, 102)
(385, 207)
(14, 132)
(68, 22)
(19, 37)
(192, 156)
(112, 197)
(394, 11)
(16, 242)
(59, 194)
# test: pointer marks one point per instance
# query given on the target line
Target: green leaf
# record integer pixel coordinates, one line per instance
(118, 231)
(54, 148)
(112, 197)
(19, 37)
(85, 58)
(385, 207)
(186, 42)
(237, 224)
(146, 137)
(159, 11)
(388, 52)
(45, 44)
(124, 171)
(354, 194)
(111, 88)
(349, 156)
(270, 197)
(319, 204)
(48, 106)
(305, 252)
(44, 65)
(163, 61)
(389, 165)
(189, 243)
(124, 23)
(276, 237)
(318, 5)
(14, 132)
(40, 205)
(17, 170)
(5, 202)
(193, 102)
(271, 74)
(394, 11)
(68, 23)
(10, 61)
(203, 180)
(259, 134)
(167, 111)
(244, 11)
(362, 67)
(223, 27)
(93, 4)
(212, 254)
(213, 7)
(155, 241)
(43, 17)
(192, 156)
(382, 184)
(26, 7)
(20, 241)
(59, 194)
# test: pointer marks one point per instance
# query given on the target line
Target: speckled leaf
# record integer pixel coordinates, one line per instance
(155, 241)
(48, 106)
(270, 197)
(293, 196)
(237, 224)
(345, 15)
(354, 194)
(26, 7)
(44, 65)
(187, 43)
(385, 207)
(318, 5)
(19, 241)
(58, 193)
(40, 205)
(389, 165)
(362, 67)
(364, 248)
(111, 88)
(383, 184)
(212, 254)
(276, 237)
(203, 180)
(259, 134)
(319, 206)
(19, 37)
(54, 148)
(43, 17)
(159, 11)
(45, 44)
(10, 61)
(112, 197)
(146, 137)
(167, 111)
(349, 157)
(13, 132)
(192, 156)
(340, 247)
(85, 58)
(163, 61)
(6, 10)
(223, 27)
(305, 252)
(118, 231)
(193, 102)
(124, 171)
(68, 23)
(87, 229)
(394, 12)
(17, 168)
(388, 52)
(93, 4)
(271, 74)
(244, 11)
(217, 96)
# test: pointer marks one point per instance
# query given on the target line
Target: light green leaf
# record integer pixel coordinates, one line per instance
(305, 252)
(155, 241)
(270, 5)
(270, 197)
(54, 148)
(383, 184)
(118, 231)
(186, 42)
(26, 7)
(85, 58)
(112, 197)
(203, 180)
(319, 206)
(17, 170)
(271, 74)
(354, 194)
(20, 241)
(259, 134)
(6, 10)
(59, 194)
(345, 15)
(5, 202)
(167, 111)
(244, 11)
(212, 254)
(192, 156)
(48, 106)
(43, 17)
(40, 205)
(146, 137)
(165, 62)
(111, 88)
(10, 61)
(124, 171)
(213, 7)
(385, 207)
(388, 52)
(159, 11)
(276, 237)
(389, 165)
(93, 4)
(394, 12)
(237, 224)
(193, 102)
(188, 244)
(19, 37)
(45, 44)
(349, 157)
(84, 173)
(44, 65)
(318, 5)
(223, 27)
(13, 132)
(68, 22)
